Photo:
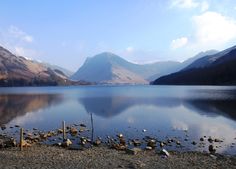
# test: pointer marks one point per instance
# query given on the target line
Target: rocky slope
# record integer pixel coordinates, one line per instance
(19, 71)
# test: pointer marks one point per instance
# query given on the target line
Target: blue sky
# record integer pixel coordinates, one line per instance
(66, 32)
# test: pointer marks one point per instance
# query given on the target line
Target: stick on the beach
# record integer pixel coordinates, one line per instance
(64, 130)
(21, 139)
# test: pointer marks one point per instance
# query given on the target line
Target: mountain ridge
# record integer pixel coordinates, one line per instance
(218, 69)
(104, 67)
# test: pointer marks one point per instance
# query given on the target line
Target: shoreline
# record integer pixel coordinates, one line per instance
(112, 153)
(45, 156)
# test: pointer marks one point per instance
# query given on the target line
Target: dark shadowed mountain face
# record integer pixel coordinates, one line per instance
(207, 59)
(191, 60)
(110, 68)
(219, 69)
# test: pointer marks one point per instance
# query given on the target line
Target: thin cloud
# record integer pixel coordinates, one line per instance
(184, 3)
(178, 43)
(17, 33)
(18, 42)
(189, 4)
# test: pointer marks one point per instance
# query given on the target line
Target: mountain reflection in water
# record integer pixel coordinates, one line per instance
(12, 106)
(108, 107)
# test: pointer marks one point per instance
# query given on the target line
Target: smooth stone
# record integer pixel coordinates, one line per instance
(165, 152)
(73, 131)
(97, 142)
(59, 131)
(148, 148)
(151, 143)
(136, 142)
(120, 135)
(162, 144)
(66, 143)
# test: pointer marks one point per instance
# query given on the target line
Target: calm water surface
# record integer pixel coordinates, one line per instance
(187, 113)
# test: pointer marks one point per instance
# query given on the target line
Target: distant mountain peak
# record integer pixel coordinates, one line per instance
(108, 67)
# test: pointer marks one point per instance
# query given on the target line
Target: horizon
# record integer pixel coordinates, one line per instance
(65, 34)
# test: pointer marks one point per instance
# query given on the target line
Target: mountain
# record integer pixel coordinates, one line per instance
(110, 68)
(191, 60)
(217, 69)
(65, 71)
(19, 71)
(208, 59)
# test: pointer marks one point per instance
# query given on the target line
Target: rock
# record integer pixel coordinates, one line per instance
(59, 131)
(82, 125)
(210, 140)
(66, 143)
(178, 142)
(169, 140)
(35, 129)
(118, 146)
(43, 136)
(120, 135)
(97, 142)
(218, 140)
(81, 129)
(211, 149)
(17, 126)
(194, 143)
(133, 151)
(83, 140)
(148, 148)
(122, 141)
(151, 143)
(73, 131)
(165, 152)
(144, 130)
(3, 127)
(162, 144)
(201, 139)
(136, 142)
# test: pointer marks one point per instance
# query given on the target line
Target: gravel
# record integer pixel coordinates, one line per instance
(43, 157)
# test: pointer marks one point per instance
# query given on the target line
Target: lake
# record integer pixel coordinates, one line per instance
(186, 113)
